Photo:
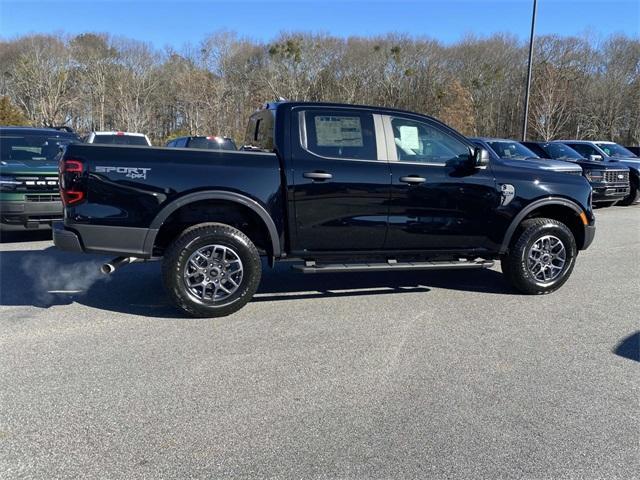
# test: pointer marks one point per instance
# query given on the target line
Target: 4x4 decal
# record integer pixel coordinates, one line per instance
(130, 172)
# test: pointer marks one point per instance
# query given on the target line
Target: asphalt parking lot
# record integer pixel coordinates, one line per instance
(414, 375)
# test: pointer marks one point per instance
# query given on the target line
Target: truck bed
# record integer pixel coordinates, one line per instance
(128, 187)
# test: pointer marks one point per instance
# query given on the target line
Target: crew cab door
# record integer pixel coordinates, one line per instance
(439, 201)
(341, 179)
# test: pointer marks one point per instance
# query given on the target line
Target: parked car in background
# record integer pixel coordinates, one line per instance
(520, 156)
(29, 195)
(634, 150)
(612, 152)
(118, 138)
(340, 188)
(609, 180)
(203, 142)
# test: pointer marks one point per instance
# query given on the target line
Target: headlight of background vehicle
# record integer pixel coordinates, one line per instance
(8, 183)
(594, 175)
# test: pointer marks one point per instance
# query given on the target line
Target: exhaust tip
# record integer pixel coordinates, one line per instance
(107, 269)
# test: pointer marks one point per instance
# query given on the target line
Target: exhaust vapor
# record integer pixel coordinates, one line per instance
(51, 277)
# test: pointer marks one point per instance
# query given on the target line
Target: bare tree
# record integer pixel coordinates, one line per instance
(581, 88)
(42, 80)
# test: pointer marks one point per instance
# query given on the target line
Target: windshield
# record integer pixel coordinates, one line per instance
(615, 150)
(558, 151)
(511, 150)
(24, 148)
(120, 140)
(212, 143)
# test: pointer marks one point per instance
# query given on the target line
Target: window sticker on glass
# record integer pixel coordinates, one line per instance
(409, 137)
(334, 131)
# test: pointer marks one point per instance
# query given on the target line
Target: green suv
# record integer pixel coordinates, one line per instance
(29, 196)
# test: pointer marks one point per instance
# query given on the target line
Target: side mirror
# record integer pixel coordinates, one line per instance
(480, 157)
(595, 158)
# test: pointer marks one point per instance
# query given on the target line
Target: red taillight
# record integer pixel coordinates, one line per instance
(119, 133)
(71, 182)
(71, 166)
(71, 197)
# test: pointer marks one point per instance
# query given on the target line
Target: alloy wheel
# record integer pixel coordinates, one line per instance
(213, 273)
(546, 258)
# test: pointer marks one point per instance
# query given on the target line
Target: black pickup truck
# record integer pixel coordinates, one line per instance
(337, 187)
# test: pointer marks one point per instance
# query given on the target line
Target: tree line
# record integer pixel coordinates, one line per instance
(582, 88)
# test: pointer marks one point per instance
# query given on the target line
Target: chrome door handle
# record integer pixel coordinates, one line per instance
(317, 175)
(413, 179)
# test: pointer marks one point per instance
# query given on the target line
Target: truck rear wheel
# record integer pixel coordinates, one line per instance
(542, 257)
(211, 270)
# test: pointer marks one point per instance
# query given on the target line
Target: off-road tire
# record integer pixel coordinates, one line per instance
(633, 197)
(198, 236)
(514, 264)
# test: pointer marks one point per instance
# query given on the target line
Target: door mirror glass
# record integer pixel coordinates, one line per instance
(480, 157)
(595, 158)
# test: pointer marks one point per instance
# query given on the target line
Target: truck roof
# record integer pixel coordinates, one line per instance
(36, 131)
(492, 139)
(609, 142)
(290, 103)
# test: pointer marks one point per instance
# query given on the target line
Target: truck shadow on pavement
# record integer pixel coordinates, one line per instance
(44, 278)
(25, 236)
(629, 347)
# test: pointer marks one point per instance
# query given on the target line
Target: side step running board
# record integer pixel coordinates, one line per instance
(312, 267)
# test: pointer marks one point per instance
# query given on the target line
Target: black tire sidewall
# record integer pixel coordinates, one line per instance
(570, 248)
(520, 274)
(202, 236)
(633, 196)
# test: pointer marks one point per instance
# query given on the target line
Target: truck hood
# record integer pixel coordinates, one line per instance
(631, 163)
(543, 164)
(635, 161)
(607, 164)
(40, 167)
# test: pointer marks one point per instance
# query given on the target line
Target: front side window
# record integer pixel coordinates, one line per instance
(423, 143)
(615, 150)
(560, 151)
(339, 134)
(512, 150)
(584, 149)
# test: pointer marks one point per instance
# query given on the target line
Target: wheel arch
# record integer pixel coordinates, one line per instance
(212, 195)
(560, 209)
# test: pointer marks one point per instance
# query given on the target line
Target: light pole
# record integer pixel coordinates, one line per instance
(526, 95)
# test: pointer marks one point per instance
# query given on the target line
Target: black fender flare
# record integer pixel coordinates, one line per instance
(234, 197)
(543, 202)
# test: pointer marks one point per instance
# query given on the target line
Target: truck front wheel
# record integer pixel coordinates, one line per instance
(541, 258)
(634, 194)
(211, 270)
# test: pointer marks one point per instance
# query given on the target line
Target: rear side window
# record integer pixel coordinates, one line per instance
(339, 134)
(259, 132)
